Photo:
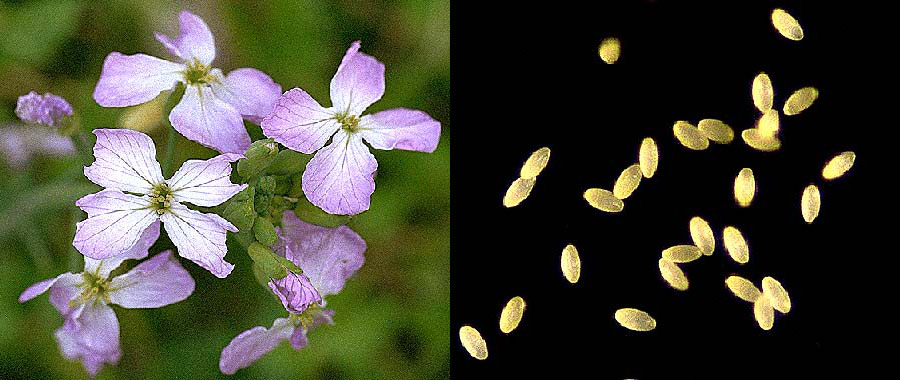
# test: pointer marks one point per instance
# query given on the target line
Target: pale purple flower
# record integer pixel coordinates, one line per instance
(212, 106)
(339, 178)
(90, 332)
(125, 162)
(19, 143)
(295, 292)
(328, 257)
(47, 109)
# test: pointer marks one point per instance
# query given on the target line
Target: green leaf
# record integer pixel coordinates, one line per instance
(311, 214)
(288, 162)
(264, 231)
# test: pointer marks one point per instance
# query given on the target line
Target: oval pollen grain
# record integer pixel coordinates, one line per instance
(512, 314)
(648, 157)
(760, 142)
(673, 274)
(628, 181)
(800, 100)
(571, 264)
(736, 245)
(634, 319)
(743, 288)
(787, 25)
(810, 203)
(716, 130)
(609, 50)
(535, 163)
(702, 235)
(768, 124)
(778, 297)
(764, 313)
(762, 92)
(689, 136)
(473, 342)
(603, 200)
(744, 187)
(838, 165)
(682, 253)
(518, 191)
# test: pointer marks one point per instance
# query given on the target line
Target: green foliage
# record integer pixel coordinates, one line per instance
(259, 156)
(239, 209)
(264, 231)
(309, 213)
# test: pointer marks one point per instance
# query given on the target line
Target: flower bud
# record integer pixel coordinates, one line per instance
(295, 292)
(288, 162)
(259, 156)
(264, 231)
(47, 109)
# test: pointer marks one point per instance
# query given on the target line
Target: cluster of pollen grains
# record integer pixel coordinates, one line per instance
(161, 198)
(198, 74)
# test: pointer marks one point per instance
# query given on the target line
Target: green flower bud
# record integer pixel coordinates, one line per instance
(239, 210)
(309, 213)
(264, 231)
(259, 156)
(288, 162)
(269, 263)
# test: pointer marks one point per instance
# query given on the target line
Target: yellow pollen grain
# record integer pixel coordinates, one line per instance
(603, 200)
(760, 142)
(571, 264)
(518, 191)
(689, 136)
(743, 288)
(768, 124)
(777, 295)
(473, 342)
(800, 100)
(681, 253)
(535, 163)
(838, 165)
(762, 92)
(702, 235)
(648, 157)
(627, 182)
(716, 130)
(744, 187)
(512, 314)
(764, 313)
(810, 203)
(787, 25)
(634, 319)
(673, 274)
(736, 245)
(609, 50)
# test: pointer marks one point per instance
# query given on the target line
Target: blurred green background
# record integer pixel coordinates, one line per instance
(391, 319)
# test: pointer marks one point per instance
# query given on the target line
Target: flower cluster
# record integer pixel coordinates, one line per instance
(286, 210)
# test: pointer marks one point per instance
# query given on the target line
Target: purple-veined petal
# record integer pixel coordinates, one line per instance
(202, 117)
(205, 182)
(358, 82)
(124, 160)
(401, 128)
(328, 256)
(252, 344)
(199, 237)
(66, 288)
(114, 225)
(194, 40)
(295, 292)
(250, 91)
(156, 282)
(320, 317)
(338, 179)
(299, 122)
(102, 268)
(96, 340)
(129, 80)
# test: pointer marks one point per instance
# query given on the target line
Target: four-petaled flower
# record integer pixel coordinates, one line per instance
(328, 257)
(339, 178)
(47, 109)
(125, 162)
(90, 332)
(211, 109)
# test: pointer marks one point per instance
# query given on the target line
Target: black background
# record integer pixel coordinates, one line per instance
(527, 75)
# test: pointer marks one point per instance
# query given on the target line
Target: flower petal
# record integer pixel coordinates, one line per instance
(205, 183)
(95, 342)
(202, 117)
(156, 282)
(252, 344)
(125, 160)
(114, 225)
(328, 256)
(320, 317)
(128, 80)
(37, 289)
(199, 237)
(194, 40)
(250, 91)
(401, 128)
(66, 288)
(358, 82)
(299, 122)
(338, 179)
(102, 268)
(295, 292)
